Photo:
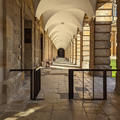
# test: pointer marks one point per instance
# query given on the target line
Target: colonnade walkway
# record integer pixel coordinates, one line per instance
(53, 103)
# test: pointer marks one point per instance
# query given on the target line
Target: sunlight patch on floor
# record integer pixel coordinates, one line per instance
(24, 114)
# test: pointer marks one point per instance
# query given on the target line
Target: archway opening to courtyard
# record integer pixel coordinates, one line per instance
(61, 53)
(113, 40)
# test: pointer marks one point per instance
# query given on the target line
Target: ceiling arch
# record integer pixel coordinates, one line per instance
(63, 27)
(61, 32)
(57, 5)
(67, 17)
(63, 17)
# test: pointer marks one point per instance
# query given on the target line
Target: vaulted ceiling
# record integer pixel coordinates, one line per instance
(63, 17)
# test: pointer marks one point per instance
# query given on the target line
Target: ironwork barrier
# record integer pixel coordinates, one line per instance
(93, 71)
(35, 80)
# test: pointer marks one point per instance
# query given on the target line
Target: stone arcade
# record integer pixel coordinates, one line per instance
(58, 35)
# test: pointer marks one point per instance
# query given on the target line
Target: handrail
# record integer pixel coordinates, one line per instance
(95, 70)
(20, 70)
(38, 68)
(35, 80)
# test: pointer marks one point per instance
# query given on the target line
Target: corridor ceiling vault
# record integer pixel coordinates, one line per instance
(63, 17)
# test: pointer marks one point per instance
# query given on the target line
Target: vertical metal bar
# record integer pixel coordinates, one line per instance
(105, 85)
(31, 78)
(71, 85)
(93, 86)
(83, 85)
(40, 79)
(34, 84)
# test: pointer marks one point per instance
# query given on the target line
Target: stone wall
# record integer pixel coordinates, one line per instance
(15, 13)
(12, 50)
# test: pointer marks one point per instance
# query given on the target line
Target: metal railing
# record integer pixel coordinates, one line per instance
(93, 71)
(35, 80)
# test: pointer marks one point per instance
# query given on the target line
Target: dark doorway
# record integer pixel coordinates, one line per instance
(27, 45)
(61, 53)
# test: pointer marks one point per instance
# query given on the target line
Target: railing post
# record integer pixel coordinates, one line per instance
(93, 86)
(31, 83)
(105, 85)
(83, 86)
(34, 84)
(40, 79)
(71, 85)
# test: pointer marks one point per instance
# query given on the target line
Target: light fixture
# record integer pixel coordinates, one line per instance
(62, 23)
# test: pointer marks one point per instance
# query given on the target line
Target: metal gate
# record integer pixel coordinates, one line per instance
(92, 86)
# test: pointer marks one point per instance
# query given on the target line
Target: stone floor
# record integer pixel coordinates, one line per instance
(52, 102)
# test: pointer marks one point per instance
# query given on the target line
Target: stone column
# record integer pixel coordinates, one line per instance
(78, 47)
(102, 34)
(118, 48)
(1, 49)
(51, 51)
(46, 47)
(92, 43)
(72, 52)
(54, 52)
(75, 50)
(86, 44)
(81, 49)
(113, 39)
(67, 52)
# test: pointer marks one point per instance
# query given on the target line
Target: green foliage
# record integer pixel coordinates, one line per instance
(113, 64)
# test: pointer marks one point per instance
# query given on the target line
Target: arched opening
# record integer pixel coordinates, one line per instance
(61, 53)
